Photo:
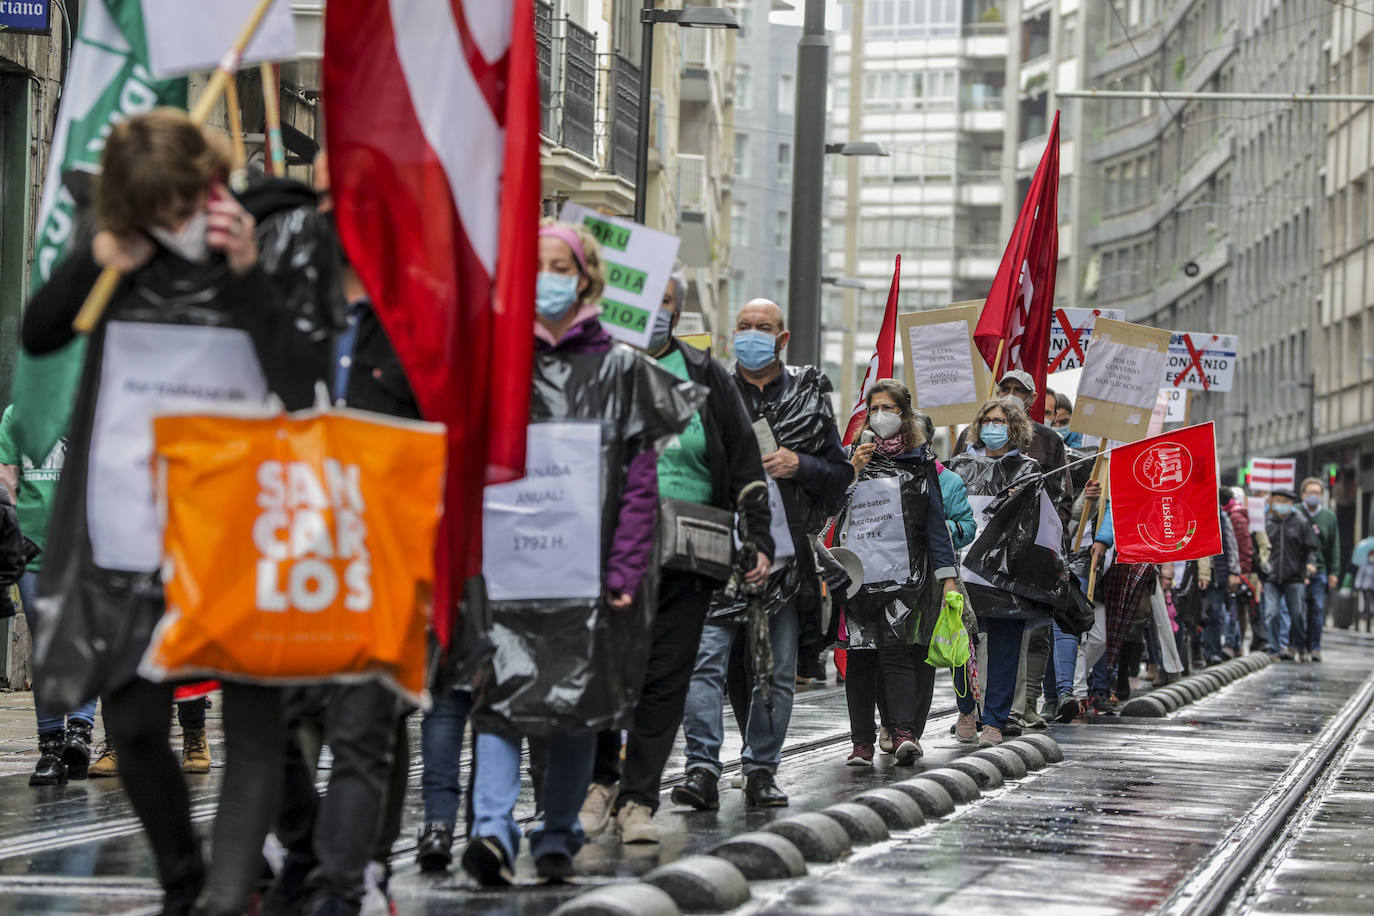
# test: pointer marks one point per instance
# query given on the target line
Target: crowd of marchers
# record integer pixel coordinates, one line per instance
(597, 684)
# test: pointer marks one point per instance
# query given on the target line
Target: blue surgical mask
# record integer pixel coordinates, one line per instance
(555, 294)
(994, 437)
(1282, 509)
(1062, 432)
(659, 333)
(755, 350)
(1312, 500)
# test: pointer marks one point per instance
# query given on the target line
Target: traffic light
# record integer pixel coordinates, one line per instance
(1333, 471)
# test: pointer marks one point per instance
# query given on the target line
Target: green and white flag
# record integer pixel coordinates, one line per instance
(109, 82)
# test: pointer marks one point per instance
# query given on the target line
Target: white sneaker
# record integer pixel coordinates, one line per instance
(885, 740)
(376, 901)
(636, 823)
(596, 809)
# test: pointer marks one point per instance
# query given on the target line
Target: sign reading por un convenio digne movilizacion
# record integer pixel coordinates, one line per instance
(25, 16)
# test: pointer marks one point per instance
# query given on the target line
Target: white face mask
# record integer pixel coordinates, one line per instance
(189, 240)
(884, 425)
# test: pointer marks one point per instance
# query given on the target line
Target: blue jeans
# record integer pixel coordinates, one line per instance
(963, 692)
(1284, 609)
(1213, 621)
(1316, 612)
(1059, 677)
(441, 746)
(703, 721)
(28, 594)
(497, 788)
(1004, 669)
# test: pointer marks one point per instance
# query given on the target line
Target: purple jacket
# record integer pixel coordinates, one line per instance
(632, 545)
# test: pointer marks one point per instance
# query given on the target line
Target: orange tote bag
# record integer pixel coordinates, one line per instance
(297, 547)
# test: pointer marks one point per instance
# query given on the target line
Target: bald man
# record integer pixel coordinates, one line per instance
(807, 474)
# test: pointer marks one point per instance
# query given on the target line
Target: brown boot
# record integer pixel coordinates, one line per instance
(107, 765)
(195, 751)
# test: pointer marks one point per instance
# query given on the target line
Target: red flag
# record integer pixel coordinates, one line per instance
(433, 135)
(1164, 497)
(880, 366)
(1022, 296)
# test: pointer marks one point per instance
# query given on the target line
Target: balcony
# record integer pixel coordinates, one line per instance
(624, 113)
(696, 210)
(579, 90)
(698, 63)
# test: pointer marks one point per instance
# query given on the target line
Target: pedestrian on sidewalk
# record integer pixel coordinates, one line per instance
(1292, 564)
(1239, 609)
(1327, 577)
(64, 741)
(807, 474)
(189, 258)
(993, 466)
(888, 623)
(571, 642)
(1218, 580)
(705, 468)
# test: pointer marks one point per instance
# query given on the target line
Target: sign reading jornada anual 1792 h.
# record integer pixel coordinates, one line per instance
(25, 15)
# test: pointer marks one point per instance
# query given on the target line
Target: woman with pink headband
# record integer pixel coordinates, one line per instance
(570, 611)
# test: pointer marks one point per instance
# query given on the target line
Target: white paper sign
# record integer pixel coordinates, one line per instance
(1070, 332)
(186, 36)
(1123, 375)
(1178, 405)
(638, 262)
(541, 535)
(149, 369)
(1201, 362)
(1254, 507)
(940, 364)
(876, 530)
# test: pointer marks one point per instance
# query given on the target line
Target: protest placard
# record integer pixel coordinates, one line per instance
(1201, 362)
(184, 41)
(638, 262)
(1270, 474)
(1070, 332)
(1254, 508)
(1122, 375)
(1178, 404)
(946, 375)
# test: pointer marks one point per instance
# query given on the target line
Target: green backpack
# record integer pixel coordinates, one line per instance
(949, 646)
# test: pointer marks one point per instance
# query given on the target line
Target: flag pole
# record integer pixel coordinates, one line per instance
(275, 163)
(992, 385)
(1101, 513)
(240, 158)
(105, 284)
(1087, 503)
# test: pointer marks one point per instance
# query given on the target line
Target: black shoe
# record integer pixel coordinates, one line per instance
(486, 862)
(76, 755)
(760, 791)
(699, 791)
(1012, 729)
(555, 867)
(288, 894)
(50, 770)
(179, 897)
(435, 852)
(1067, 711)
(812, 667)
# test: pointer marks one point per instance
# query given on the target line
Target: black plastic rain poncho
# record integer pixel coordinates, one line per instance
(1015, 567)
(885, 525)
(563, 660)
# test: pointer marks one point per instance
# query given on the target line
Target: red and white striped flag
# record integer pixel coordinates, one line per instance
(1270, 474)
(433, 135)
(880, 365)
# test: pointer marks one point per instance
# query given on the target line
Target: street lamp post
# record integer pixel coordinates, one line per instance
(697, 17)
(808, 207)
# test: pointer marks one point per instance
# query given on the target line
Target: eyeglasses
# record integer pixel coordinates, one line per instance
(994, 422)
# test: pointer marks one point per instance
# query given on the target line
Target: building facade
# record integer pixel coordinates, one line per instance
(932, 76)
(761, 171)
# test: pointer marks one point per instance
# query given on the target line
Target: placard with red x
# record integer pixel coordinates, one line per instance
(1070, 332)
(1201, 362)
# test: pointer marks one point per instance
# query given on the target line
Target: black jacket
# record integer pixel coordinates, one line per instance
(732, 449)
(376, 381)
(1049, 451)
(1293, 547)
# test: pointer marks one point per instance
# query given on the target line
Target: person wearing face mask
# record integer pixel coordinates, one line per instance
(1063, 417)
(1293, 560)
(714, 458)
(192, 283)
(570, 644)
(888, 624)
(995, 464)
(1323, 521)
(807, 474)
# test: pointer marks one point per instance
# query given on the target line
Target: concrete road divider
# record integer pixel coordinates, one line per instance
(934, 799)
(960, 786)
(1005, 759)
(898, 810)
(863, 824)
(701, 884)
(818, 837)
(762, 856)
(983, 771)
(621, 900)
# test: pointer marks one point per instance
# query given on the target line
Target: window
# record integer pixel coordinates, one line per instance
(787, 99)
(741, 164)
(784, 162)
(744, 87)
(739, 224)
(782, 230)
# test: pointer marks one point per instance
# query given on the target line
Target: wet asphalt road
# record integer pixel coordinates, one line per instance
(1137, 807)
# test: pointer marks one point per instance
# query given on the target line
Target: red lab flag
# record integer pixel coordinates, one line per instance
(1019, 305)
(1164, 497)
(880, 366)
(433, 136)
